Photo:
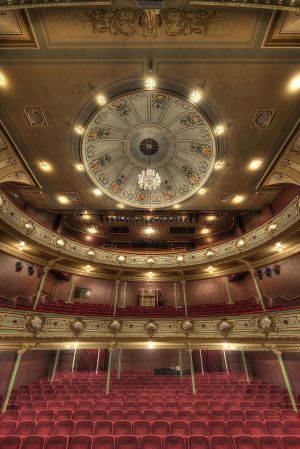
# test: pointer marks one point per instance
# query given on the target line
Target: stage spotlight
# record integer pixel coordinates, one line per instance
(30, 270)
(268, 272)
(19, 266)
(259, 274)
(277, 269)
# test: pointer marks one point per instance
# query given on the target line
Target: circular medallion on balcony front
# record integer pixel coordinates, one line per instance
(121, 135)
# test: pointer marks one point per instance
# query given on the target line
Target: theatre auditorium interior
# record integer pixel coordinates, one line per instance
(149, 224)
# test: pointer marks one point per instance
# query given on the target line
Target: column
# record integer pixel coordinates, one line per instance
(225, 360)
(258, 290)
(228, 291)
(184, 298)
(287, 381)
(38, 294)
(74, 358)
(124, 294)
(201, 361)
(190, 351)
(180, 363)
(72, 288)
(116, 297)
(54, 366)
(245, 366)
(175, 295)
(119, 363)
(12, 380)
(108, 371)
(97, 364)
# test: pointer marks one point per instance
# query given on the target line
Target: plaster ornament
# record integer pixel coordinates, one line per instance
(114, 326)
(267, 324)
(224, 327)
(151, 328)
(187, 326)
(35, 323)
(77, 326)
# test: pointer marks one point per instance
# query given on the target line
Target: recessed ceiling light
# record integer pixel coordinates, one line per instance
(29, 226)
(79, 129)
(150, 83)
(237, 199)
(121, 258)
(241, 242)
(176, 206)
(210, 217)
(272, 226)
(150, 260)
(219, 130)
(151, 345)
(60, 242)
(86, 217)
(209, 253)
(196, 96)
(75, 345)
(295, 83)
(219, 165)
(255, 164)
(202, 191)
(225, 346)
(79, 167)
(150, 273)
(45, 166)
(3, 80)
(149, 230)
(279, 247)
(97, 192)
(92, 230)
(88, 268)
(180, 258)
(62, 199)
(101, 100)
(120, 206)
(204, 231)
(210, 268)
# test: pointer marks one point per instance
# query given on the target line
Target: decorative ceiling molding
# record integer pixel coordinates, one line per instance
(24, 4)
(270, 4)
(184, 148)
(12, 168)
(16, 30)
(286, 167)
(249, 330)
(284, 30)
(253, 240)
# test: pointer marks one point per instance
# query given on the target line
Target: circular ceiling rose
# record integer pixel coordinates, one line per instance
(181, 141)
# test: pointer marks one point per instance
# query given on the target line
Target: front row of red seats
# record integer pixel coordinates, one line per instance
(149, 442)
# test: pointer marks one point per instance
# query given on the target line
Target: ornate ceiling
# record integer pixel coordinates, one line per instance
(183, 148)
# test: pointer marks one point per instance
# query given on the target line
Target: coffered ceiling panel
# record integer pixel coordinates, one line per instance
(16, 30)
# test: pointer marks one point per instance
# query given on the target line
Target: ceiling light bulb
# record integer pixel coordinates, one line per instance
(210, 217)
(204, 231)
(62, 199)
(150, 83)
(79, 130)
(92, 230)
(238, 199)
(88, 268)
(3, 80)
(272, 226)
(79, 167)
(91, 253)
(255, 164)
(60, 242)
(202, 191)
(45, 166)
(97, 192)
(150, 260)
(22, 244)
(209, 253)
(176, 206)
(75, 345)
(121, 258)
(180, 258)
(149, 231)
(241, 242)
(29, 226)
(211, 268)
(219, 130)
(225, 346)
(120, 206)
(151, 345)
(295, 83)
(196, 96)
(219, 165)
(101, 100)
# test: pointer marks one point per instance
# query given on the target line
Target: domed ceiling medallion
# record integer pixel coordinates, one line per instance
(183, 149)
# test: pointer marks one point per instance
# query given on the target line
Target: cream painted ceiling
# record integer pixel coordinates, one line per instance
(78, 58)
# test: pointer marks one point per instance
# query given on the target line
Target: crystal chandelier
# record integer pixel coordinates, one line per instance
(149, 179)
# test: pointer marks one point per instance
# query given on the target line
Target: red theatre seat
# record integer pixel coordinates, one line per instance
(33, 442)
(160, 428)
(57, 442)
(221, 442)
(268, 442)
(7, 428)
(151, 442)
(141, 428)
(10, 442)
(174, 442)
(198, 442)
(290, 442)
(245, 442)
(104, 442)
(127, 442)
(45, 428)
(81, 442)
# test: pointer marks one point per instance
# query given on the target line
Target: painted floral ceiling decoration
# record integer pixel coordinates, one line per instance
(183, 148)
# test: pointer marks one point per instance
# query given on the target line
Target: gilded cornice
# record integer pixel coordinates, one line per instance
(248, 332)
(47, 240)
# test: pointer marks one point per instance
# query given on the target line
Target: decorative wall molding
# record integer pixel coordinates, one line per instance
(284, 30)
(16, 30)
(248, 330)
(24, 4)
(12, 167)
(269, 4)
(67, 248)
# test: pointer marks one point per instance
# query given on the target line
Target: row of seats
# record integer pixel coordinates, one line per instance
(71, 427)
(151, 415)
(149, 442)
